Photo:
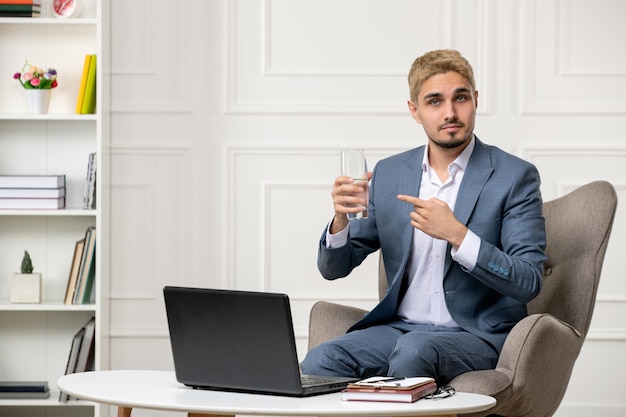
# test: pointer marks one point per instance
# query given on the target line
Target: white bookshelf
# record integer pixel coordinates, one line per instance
(36, 338)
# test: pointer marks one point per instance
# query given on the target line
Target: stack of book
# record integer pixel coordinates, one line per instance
(24, 389)
(82, 270)
(20, 8)
(32, 192)
(389, 389)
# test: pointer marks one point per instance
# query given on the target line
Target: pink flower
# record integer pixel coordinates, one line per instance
(35, 77)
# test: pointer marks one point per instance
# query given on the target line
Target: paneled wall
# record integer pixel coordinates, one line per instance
(228, 118)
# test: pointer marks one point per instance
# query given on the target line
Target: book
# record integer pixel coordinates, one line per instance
(32, 203)
(87, 290)
(86, 262)
(23, 386)
(390, 382)
(32, 181)
(84, 362)
(405, 390)
(89, 197)
(4, 7)
(83, 84)
(74, 268)
(89, 98)
(24, 395)
(4, 13)
(72, 359)
(32, 192)
(32, 2)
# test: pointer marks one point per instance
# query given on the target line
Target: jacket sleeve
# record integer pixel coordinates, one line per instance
(512, 263)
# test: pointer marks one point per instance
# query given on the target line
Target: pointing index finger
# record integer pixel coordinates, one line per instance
(410, 199)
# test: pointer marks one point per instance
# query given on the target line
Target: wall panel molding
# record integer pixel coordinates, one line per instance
(276, 81)
(142, 196)
(286, 179)
(566, 74)
(149, 71)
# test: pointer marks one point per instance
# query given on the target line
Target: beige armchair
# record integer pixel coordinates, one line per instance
(539, 354)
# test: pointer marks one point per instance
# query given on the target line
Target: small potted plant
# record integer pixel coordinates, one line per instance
(26, 284)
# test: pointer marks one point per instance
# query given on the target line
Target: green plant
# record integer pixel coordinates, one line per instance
(27, 264)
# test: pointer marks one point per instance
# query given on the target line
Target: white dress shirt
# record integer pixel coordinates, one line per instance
(424, 301)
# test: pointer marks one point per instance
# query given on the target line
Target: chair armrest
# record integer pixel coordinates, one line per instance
(329, 320)
(533, 369)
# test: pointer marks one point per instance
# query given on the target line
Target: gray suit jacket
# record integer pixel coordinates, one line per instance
(499, 200)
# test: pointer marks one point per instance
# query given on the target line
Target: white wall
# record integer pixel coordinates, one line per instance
(228, 117)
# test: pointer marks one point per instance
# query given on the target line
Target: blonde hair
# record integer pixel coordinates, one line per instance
(437, 62)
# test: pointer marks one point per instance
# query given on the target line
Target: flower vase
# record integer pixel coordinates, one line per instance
(38, 100)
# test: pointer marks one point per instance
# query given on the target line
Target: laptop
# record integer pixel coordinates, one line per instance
(238, 341)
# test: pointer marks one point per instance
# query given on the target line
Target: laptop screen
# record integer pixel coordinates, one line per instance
(232, 340)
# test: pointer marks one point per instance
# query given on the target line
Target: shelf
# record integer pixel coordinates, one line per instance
(45, 306)
(48, 117)
(46, 21)
(37, 338)
(54, 213)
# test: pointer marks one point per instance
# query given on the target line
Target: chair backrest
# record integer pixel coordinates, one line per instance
(578, 226)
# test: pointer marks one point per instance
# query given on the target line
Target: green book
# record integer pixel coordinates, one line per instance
(89, 100)
(20, 8)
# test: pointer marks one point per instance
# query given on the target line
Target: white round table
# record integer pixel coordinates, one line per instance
(160, 390)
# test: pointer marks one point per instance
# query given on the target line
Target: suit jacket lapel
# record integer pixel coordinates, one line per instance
(413, 180)
(479, 170)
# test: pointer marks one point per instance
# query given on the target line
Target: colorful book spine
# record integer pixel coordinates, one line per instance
(20, 8)
(28, 2)
(83, 84)
(89, 99)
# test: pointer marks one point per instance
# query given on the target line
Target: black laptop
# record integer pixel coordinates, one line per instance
(238, 341)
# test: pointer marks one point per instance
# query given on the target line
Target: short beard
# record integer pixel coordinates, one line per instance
(454, 143)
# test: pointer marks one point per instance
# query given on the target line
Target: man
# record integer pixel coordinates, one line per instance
(462, 235)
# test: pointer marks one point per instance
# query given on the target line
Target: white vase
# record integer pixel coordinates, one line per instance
(26, 288)
(38, 100)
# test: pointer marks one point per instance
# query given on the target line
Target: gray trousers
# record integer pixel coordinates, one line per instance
(402, 349)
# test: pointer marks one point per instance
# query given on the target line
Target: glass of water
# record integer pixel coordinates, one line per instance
(354, 165)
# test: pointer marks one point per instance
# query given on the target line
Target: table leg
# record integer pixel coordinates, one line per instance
(123, 411)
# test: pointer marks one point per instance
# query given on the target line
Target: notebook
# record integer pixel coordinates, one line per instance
(238, 341)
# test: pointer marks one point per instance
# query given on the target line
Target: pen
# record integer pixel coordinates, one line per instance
(385, 381)
(388, 382)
